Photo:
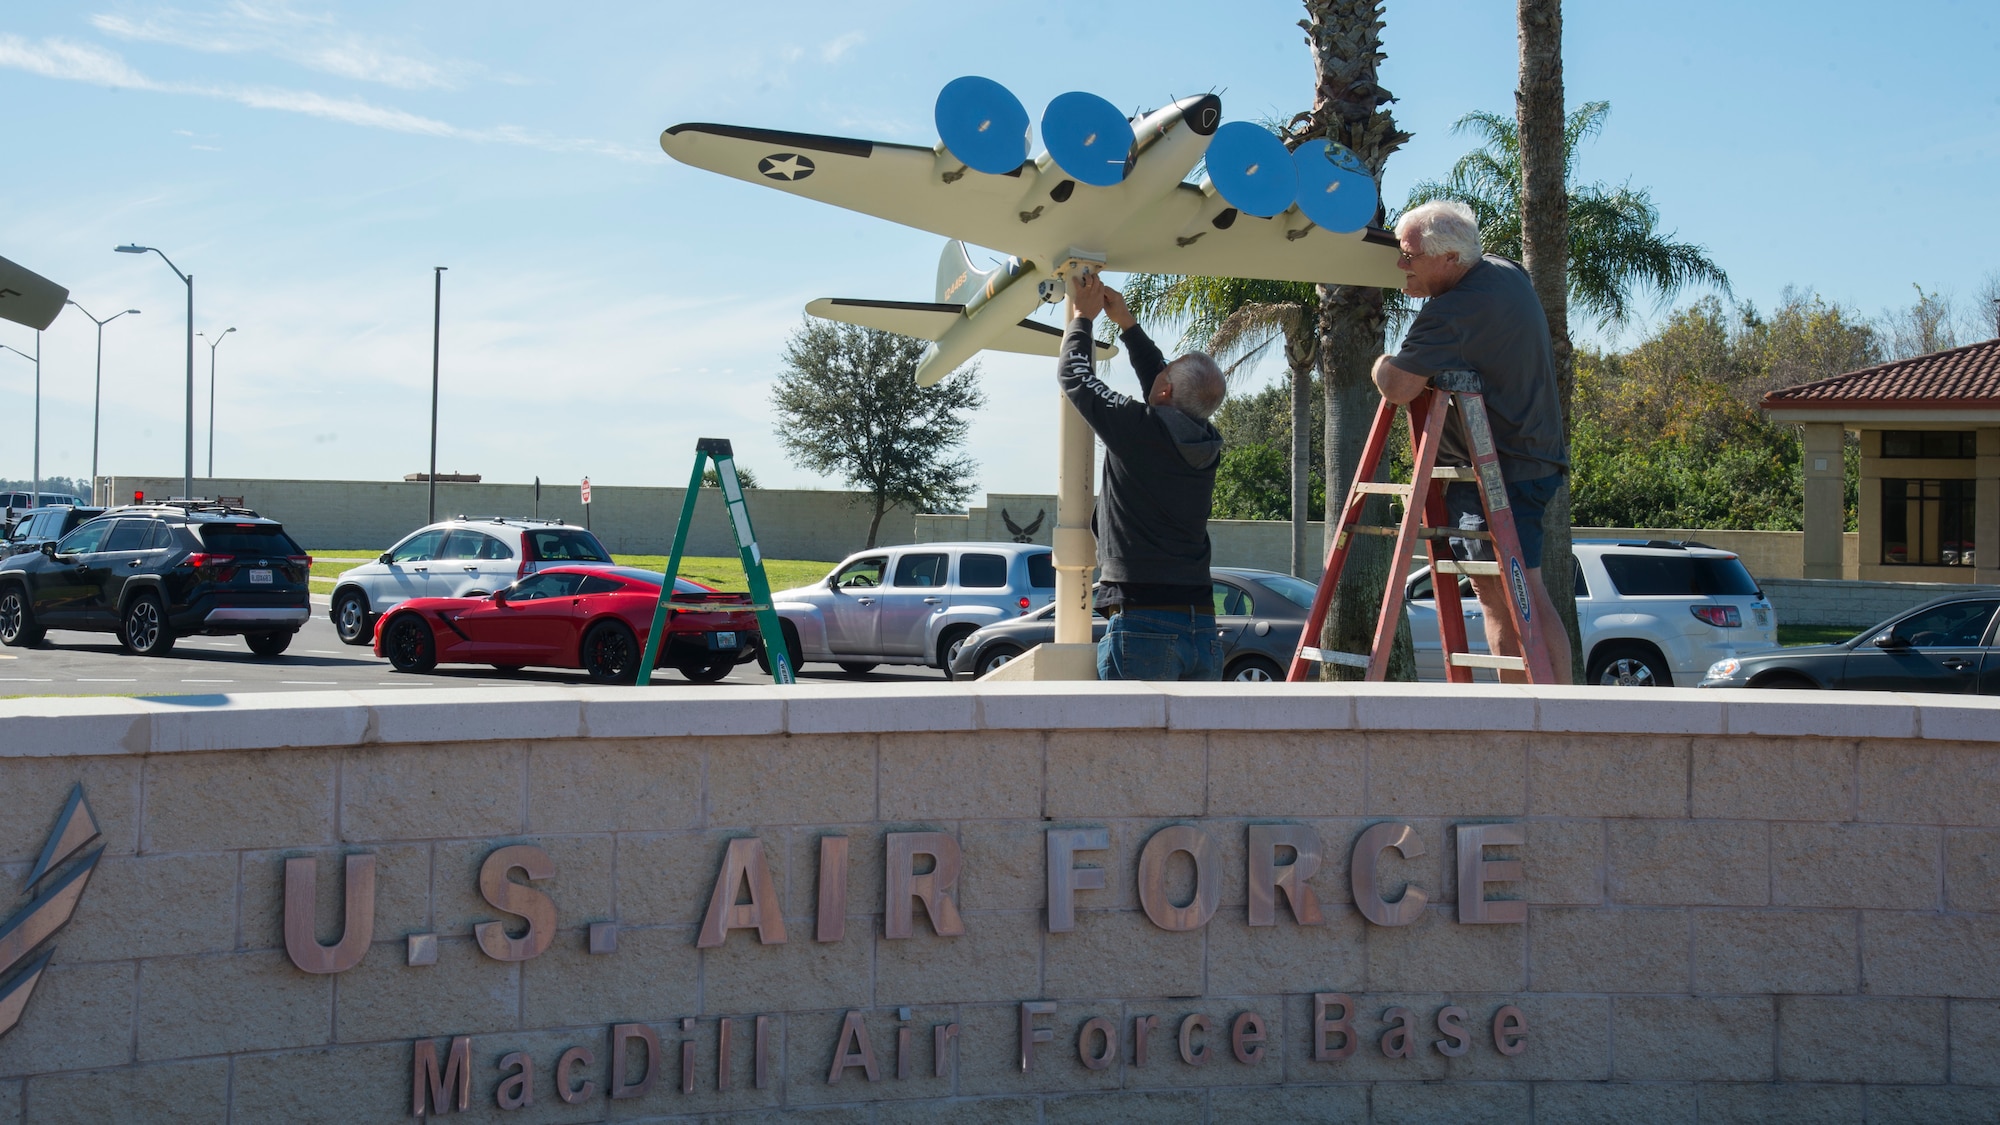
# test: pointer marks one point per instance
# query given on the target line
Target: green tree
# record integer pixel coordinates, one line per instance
(711, 479)
(1613, 232)
(848, 403)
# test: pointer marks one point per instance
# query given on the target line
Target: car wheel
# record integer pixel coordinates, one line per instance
(949, 642)
(408, 644)
(706, 673)
(17, 621)
(791, 647)
(1629, 665)
(1256, 670)
(611, 653)
(994, 656)
(269, 644)
(350, 617)
(144, 626)
(856, 667)
(1787, 681)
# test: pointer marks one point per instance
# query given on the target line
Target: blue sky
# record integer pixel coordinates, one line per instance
(605, 306)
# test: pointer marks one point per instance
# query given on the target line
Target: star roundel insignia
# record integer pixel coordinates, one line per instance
(786, 166)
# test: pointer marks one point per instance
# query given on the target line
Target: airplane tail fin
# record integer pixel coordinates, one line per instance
(957, 278)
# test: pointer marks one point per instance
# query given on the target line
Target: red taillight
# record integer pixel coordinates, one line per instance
(1024, 605)
(199, 559)
(1720, 616)
(300, 560)
(522, 570)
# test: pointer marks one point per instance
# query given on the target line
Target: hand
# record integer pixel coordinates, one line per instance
(1114, 307)
(1086, 295)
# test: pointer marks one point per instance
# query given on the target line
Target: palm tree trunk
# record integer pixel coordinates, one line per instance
(1302, 372)
(1349, 108)
(1538, 105)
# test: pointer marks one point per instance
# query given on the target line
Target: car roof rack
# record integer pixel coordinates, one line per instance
(198, 504)
(463, 518)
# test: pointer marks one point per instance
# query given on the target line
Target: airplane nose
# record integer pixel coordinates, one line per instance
(1202, 114)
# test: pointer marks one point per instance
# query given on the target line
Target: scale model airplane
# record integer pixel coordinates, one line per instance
(1108, 194)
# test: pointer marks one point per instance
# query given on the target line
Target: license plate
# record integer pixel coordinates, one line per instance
(724, 640)
(260, 578)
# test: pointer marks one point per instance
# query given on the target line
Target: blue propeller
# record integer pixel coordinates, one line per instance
(983, 124)
(1251, 169)
(1088, 138)
(1335, 189)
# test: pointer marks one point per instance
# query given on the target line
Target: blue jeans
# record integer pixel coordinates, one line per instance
(1154, 644)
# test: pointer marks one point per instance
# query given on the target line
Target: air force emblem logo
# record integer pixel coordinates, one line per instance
(50, 910)
(788, 167)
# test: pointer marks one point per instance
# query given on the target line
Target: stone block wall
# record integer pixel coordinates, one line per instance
(1754, 907)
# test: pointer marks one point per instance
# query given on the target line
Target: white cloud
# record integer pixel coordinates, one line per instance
(834, 49)
(77, 62)
(277, 29)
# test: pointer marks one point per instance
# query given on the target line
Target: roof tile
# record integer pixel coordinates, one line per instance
(1967, 376)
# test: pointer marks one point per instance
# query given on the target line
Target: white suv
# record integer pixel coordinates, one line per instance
(1653, 614)
(467, 557)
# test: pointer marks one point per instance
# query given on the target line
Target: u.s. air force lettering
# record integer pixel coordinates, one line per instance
(921, 875)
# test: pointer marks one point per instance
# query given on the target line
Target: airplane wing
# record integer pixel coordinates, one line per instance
(901, 183)
(927, 321)
(1195, 232)
(27, 297)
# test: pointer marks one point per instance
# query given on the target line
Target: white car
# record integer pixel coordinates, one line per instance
(1653, 614)
(914, 604)
(456, 558)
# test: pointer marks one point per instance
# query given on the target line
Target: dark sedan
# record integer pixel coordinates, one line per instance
(1945, 646)
(1258, 614)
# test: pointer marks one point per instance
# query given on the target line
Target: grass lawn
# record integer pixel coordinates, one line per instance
(1815, 634)
(721, 573)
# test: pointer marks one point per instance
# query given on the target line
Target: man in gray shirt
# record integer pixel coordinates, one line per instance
(1481, 315)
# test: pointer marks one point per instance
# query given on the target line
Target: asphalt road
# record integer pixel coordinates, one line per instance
(71, 663)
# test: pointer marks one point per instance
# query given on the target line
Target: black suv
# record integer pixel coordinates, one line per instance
(152, 573)
(44, 525)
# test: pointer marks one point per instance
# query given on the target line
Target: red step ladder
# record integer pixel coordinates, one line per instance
(1424, 519)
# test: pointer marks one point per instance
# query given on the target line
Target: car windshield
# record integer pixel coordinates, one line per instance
(570, 544)
(1297, 591)
(248, 539)
(1640, 576)
(655, 579)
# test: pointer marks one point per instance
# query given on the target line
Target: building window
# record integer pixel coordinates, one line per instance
(1936, 444)
(1927, 522)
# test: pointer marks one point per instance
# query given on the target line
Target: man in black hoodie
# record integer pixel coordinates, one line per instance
(1151, 522)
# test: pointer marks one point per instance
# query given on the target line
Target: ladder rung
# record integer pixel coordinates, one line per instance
(1329, 656)
(1387, 489)
(1475, 660)
(1374, 529)
(1453, 472)
(1455, 566)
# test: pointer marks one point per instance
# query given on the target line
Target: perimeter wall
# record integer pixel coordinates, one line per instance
(1732, 908)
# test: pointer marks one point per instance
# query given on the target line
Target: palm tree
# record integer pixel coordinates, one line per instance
(1544, 206)
(1236, 320)
(1350, 108)
(1614, 239)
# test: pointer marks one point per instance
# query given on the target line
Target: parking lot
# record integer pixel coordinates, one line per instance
(71, 663)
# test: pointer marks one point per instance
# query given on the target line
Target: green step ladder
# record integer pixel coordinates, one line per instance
(776, 652)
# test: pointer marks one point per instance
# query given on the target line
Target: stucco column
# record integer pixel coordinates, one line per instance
(1825, 512)
(1986, 508)
(1075, 546)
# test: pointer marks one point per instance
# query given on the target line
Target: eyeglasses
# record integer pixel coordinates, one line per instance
(1406, 258)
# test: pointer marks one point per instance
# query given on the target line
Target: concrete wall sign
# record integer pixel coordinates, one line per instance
(50, 910)
(1190, 902)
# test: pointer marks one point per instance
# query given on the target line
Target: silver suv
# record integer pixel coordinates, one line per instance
(914, 604)
(467, 557)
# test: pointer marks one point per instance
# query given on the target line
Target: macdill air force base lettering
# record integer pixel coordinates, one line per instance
(1281, 861)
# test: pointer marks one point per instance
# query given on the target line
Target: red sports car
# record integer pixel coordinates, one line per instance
(594, 618)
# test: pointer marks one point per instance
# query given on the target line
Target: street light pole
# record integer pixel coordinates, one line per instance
(37, 357)
(187, 478)
(437, 324)
(97, 394)
(212, 345)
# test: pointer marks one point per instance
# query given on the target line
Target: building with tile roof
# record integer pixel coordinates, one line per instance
(1929, 502)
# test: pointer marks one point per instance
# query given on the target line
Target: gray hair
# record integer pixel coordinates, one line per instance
(1443, 226)
(1197, 383)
